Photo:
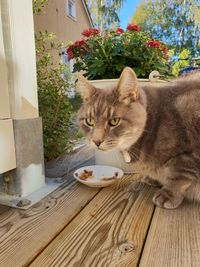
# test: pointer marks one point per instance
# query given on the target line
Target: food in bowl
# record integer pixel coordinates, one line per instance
(110, 178)
(98, 175)
(85, 175)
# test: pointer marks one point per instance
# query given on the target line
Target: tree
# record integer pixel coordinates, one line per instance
(105, 12)
(175, 22)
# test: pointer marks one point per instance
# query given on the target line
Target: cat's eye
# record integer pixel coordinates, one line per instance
(114, 122)
(89, 122)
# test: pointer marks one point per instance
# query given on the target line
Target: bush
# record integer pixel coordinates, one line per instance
(54, 80)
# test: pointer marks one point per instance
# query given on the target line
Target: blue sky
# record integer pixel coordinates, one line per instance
(126, 11)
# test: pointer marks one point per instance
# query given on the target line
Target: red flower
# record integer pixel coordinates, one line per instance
(70, 52)
(157, 44)
(70, 48)
(79, 43)
(70, 55)
(165, 51)
(133, 27)
(119, 30)
(153, 43)
(90, 32)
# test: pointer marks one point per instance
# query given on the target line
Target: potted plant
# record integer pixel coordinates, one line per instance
(103, 56)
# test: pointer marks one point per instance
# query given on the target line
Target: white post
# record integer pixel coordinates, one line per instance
(7, 147)
(18, 31)
(18, 35)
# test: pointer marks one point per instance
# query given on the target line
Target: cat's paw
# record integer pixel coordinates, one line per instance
(165, 199)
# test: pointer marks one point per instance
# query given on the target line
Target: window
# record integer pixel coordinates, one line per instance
(71, 8)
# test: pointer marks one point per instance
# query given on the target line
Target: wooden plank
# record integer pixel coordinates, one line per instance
(110, 231)
(174, 238)
(3, 209)
(23, 234)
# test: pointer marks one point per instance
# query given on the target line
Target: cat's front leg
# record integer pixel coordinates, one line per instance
(171, 195)
(182, 172)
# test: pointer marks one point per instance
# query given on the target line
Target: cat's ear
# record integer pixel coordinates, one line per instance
(84, 87)
(127, 86)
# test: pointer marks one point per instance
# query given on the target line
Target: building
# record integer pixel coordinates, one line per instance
(66, 18)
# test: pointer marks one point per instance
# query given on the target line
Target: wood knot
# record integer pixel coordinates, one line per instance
(126, 246)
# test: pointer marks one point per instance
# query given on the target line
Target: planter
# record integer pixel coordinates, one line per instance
(115, 157)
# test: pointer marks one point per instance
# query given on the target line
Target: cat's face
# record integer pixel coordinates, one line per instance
(112, 118)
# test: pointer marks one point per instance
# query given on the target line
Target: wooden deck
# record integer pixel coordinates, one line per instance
(81, 226)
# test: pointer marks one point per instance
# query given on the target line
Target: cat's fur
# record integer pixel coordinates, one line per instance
(159, 129)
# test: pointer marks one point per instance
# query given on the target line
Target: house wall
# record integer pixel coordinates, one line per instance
(54, 18)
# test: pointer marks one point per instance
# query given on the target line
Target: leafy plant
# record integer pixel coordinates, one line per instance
(54, 80)
(104, 55)
(38, 5)
(181, 63)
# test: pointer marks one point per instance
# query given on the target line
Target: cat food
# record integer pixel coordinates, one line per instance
(85, 175)
(110, 178)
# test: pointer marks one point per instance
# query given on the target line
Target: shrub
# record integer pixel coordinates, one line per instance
(54, 80)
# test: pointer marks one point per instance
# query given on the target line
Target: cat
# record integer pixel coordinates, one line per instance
(157, 128)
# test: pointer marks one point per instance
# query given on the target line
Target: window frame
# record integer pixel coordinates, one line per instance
(71, 14)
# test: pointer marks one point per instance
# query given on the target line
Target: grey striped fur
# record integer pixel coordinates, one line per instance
(159, 127)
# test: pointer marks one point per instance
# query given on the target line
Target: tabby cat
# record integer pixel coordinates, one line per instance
(157, 128)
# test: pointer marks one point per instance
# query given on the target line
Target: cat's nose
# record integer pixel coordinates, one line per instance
(97, 142)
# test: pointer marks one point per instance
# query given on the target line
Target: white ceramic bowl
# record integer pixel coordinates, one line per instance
(99, 172)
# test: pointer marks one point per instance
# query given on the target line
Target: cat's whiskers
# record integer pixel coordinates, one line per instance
(80, 155)
(107, 145)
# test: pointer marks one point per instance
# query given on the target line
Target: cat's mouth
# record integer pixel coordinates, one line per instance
(102, 148)
(105, 146)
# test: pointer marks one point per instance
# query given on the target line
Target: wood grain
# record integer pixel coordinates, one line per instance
(23, 234)
(3, 209)
(174, 238)
(109, 231)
